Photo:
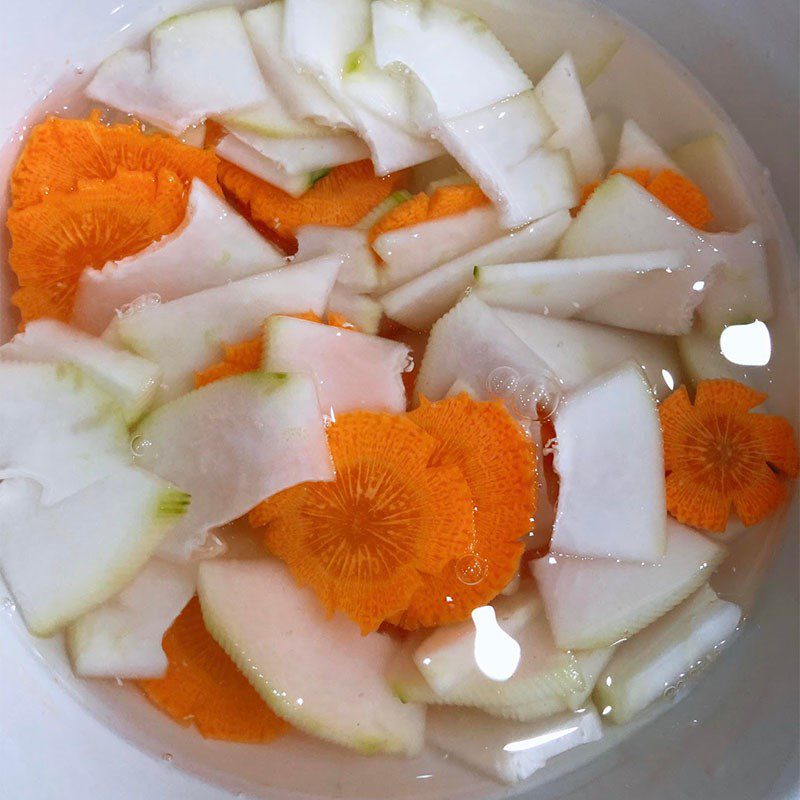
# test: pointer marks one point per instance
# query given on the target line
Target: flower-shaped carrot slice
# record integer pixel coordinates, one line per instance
(203, 686)
(498, 461)
(719, 457)
(411, 212)
(457, 199)
(366, 541)
(62, 152)
(102, 220)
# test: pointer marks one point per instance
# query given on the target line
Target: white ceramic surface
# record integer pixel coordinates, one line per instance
(734, 737)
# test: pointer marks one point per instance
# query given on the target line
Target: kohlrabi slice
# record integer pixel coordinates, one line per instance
(318, 673)
(561, 96)
(211, 247)
(132, 381)
(232, 444)
(621, 289)
(187, 334)
(60, 428)
(384, 207)
(302, 94)
(477, 70)
(499, 147)
(739, 292)
(578, 351)
(420, 302)
(657, 658)
(637, 150)
(469, 343)
(593, 603)
(505, 750)
(234, 149)
(358, 272)
(607, 128)
(618, 511)
(710, 164)
(454, 653)
(199, 65)
(122, 637)
(414, 250)
(62, 560)
(363, 311)
(352, 371)
(702, 357)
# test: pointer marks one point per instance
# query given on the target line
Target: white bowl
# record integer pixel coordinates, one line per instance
(734, 737)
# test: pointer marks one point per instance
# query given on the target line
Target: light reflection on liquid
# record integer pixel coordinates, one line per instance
(538, 741)
(497, 654)
(747, 345)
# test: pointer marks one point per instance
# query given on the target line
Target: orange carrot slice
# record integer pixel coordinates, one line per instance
(411, 212)
(498, 461)
(719, 457)
(102, 220)
(203, 686)
(366, 541)
(458, 199)
(62, 152)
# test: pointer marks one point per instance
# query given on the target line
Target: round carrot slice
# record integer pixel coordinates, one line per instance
(412, 211)
(682, 196)
(62, 152)
(203, 686)
(102, 220)
(365, 541)
(498, 461)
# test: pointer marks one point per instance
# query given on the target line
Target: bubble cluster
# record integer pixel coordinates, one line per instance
(529, 397)
(139, 304)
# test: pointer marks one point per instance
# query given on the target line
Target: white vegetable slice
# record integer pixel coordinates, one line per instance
(232, 444)
(579, 351)
(506, 750)
(469, 343)
(561, 96)
(358, 272)
(59, 428)
(663, 654)
(187, 334)
(352, 371)
(132, 381)
(384, 207)
(420, 302)
(363, 311)
(477, 70)
(212, 246)
(60, 561)
(702, 357)
(414, 250)
(122, 637)
(637, 150)
(593, 603)
(618, 511)
(199, 65)
(319, 674)
(302, 94)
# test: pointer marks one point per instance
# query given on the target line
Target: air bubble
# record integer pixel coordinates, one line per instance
(140, 446)
(167, 757)
(502, 382)
(537, 397)
(670, 692)
(8, 605)
(212, 547)
(471, 569)
(409, 365)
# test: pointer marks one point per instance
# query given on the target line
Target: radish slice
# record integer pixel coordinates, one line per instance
(318, 673)
(358, 272)
(702, 358)
(639, 151)
(363, 311)
(663, 654)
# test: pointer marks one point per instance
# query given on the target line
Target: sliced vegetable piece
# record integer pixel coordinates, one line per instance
(469, 343)
(62, 560)
(637, 151)
(720, 457)
(364, 312)
(199, 65)
(702, 358)
(421, 301)
(280, 638)
(365, 541)
(122, 637)
(383, 208)
(617, 511)
(509, 751)
(579, 351)
(358, 272)
(187, 334)
(658, 657)
(352, 371)
(212, 246)
(593, 603)
(233, 444)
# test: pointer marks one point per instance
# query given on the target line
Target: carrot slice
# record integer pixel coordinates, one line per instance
(410, 212)
(62, 152)
(448, 200)
(102, 220)
(203, 686)
(498, 461)
(341, 198)
(366, 541)
(719, 457)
